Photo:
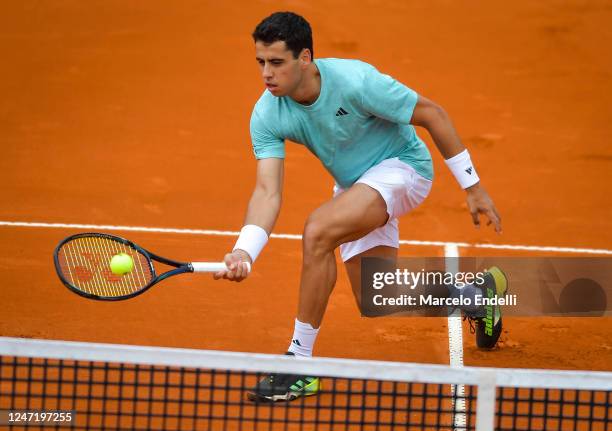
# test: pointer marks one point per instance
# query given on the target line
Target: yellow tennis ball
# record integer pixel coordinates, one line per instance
(121, 264)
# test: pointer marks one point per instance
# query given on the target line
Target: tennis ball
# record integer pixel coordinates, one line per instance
(121, 264)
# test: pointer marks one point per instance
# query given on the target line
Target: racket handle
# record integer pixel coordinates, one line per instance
(212, 266)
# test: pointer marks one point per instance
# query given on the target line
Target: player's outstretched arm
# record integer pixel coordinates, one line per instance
(432, 117)
(261, 216)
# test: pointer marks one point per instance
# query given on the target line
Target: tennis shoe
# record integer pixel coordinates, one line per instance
(284, 387)
(487, 321)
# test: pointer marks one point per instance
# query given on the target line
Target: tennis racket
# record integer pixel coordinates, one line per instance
(82, 263)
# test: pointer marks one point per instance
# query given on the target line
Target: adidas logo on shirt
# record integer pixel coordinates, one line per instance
(469, 170)
(341, 112)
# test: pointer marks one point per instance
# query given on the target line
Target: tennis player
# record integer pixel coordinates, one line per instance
(359, 123)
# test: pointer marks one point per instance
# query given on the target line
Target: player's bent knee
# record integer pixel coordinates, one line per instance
(316, 238)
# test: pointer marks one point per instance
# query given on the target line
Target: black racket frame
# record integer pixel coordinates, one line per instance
(180, 267)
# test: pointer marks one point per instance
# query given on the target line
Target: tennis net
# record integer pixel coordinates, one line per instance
(105, 386)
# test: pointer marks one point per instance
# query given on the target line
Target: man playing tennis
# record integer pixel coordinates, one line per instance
(360, 124)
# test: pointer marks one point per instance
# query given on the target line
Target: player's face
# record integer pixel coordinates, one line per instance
(281, 72)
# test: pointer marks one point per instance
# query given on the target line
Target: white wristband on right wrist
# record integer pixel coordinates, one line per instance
(252, 239)
(463, 169)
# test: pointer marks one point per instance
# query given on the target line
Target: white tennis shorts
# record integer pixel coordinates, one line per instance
(402, 188)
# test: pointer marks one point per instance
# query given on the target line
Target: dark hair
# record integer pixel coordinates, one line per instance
(289, 27)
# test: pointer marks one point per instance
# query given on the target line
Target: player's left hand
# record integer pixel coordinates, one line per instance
(479, 202)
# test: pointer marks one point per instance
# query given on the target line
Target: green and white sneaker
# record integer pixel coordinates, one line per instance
(284, 387)
(488, 322)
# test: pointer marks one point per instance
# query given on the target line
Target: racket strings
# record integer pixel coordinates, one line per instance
(85, 264)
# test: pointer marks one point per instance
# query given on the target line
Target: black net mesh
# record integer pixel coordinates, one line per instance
(120, 396)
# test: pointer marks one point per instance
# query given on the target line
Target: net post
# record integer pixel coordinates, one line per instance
(485, 403)
(455, 343)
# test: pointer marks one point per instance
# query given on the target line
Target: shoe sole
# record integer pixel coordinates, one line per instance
(501, 281)
(501, 287)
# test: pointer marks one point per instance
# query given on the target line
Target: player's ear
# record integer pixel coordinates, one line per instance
(305, 57)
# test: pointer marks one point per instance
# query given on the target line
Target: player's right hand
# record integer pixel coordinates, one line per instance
(236, 262)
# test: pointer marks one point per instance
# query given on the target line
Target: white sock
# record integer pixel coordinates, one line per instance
(304, 336)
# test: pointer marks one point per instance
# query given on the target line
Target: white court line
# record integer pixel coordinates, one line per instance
(298, 237)
(455, 344)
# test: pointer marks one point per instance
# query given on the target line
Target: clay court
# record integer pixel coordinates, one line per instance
(136, 114)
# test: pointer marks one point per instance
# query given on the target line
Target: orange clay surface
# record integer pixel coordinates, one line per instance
(136, 113)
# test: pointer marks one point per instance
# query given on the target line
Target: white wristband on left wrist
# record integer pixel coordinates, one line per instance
(463, 169)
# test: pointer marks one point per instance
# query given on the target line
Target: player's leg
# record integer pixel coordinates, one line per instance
(353, 266)
(347, 217)
(360, 218)
(485, 320)
(380, 243)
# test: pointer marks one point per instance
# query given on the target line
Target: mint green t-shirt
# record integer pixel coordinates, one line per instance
(360, 118)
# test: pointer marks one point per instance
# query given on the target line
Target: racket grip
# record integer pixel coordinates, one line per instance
(212, 266)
